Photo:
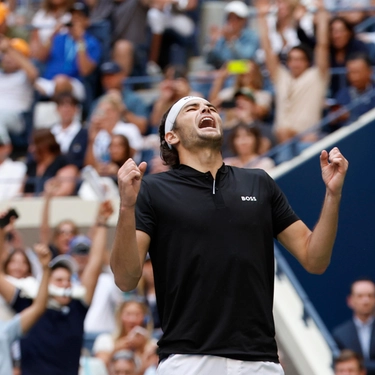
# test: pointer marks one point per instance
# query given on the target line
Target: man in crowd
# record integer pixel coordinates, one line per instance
(349, 363)
(358, 333)
(212, 249)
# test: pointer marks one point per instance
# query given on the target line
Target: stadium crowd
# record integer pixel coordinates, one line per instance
(77, 90)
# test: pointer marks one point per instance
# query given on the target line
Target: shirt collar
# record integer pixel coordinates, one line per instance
(361, 324)
(185, 170)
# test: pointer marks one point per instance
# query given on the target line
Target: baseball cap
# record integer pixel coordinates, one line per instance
(239, 8)
(65, 261)
(245, 92)
(79, 245)
(21, 46)
(80, 6)
(110, 67)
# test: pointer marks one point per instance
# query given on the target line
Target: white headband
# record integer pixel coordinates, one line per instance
(173, 113)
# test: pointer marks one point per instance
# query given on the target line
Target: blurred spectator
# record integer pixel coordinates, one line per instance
(358, 333)
(119, 152)
(174, 86)
(46, 162)
(106, 121)
(52, 18)
(173, 30)
(16, 85)
(234, 41)
(58, 241)
(129, 22)
(12, 173)
(349, 362)
(157, 165)
(69, 133)
(123, 362)
(359, 75)
(132, 321)
(57, 351)
(252, 80)
(16, 327)
(245, 142)
(302, 85)
(72, 56)
(135, 111)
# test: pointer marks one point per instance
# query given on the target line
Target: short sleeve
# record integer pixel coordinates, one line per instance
(103, 343)
(282, 213)
(145, 214)
(94, 49)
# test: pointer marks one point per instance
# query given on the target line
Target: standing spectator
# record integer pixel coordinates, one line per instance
(24, 321)
(16, 84)
(105, 122)
(72, 56)
(48, 21)
(358, 333)
(69, 133)
(234, 41)
(129, 22)
(135, 111)
(46, 161)
(300, 85)
(349, 363)
(12, 172)
(57, 350)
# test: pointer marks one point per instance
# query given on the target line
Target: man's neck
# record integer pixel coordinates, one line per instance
(204, 160)
(66, 124)
(364, 318)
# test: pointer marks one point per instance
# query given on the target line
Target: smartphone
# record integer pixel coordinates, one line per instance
(238, 66)
(4, 221)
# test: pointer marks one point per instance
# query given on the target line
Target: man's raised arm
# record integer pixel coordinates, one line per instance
(130, 246)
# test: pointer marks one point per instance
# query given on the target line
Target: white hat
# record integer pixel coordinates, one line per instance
(237, 7)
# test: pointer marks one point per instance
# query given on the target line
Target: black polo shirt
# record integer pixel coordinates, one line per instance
(212, 253)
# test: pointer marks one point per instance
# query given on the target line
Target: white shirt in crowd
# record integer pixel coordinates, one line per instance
(12, 174)
(64, 137)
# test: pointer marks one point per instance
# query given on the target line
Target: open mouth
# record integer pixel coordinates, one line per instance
(206, 122)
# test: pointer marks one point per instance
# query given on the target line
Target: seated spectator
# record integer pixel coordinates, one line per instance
(106, 121)
(359, 75)
(343, 44)
(57, 351)
(173, 28)
(357, 334)
(129, 34)
(234, 41)
(72, 56)
(16, 84)
(46, 162)
(251, 80)
(69, 133)
(349, 362)
(123, 362)
(131, 333)
(245, 142)
(20, 324)
(119, 152)
(47, 22)
(174, 86)
(300, 85)
(135, 111)
(12, 173)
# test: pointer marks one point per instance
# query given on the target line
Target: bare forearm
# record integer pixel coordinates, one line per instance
(321, 240)
(44, 232)
(125, 260)
(322, 46)
(85, 65)
(26, 65)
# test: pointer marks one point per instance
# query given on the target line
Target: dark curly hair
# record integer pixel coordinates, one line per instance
(168, 155)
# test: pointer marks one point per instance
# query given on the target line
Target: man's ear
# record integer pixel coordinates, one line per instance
(172, 138)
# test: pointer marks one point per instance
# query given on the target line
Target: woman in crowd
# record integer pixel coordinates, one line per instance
(46, 162)
(252, 80)
(245, 142)
(53, 16)
(133, 332)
